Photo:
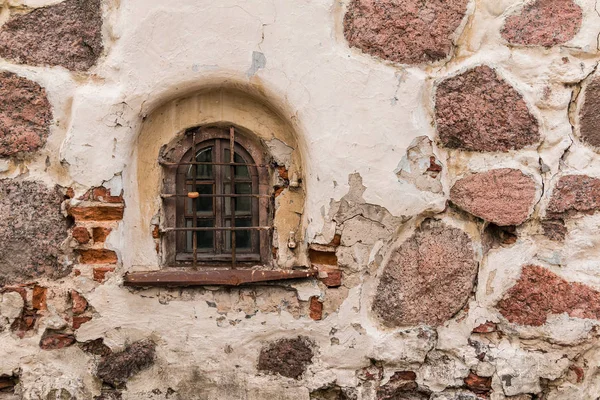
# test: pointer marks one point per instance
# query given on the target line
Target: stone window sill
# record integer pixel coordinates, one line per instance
(214, 277)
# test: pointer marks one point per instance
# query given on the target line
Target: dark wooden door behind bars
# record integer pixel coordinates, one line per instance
(217, 204)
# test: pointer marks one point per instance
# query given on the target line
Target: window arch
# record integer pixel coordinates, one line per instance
(218, 206)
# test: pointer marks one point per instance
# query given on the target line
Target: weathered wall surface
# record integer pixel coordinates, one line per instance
(449, 189)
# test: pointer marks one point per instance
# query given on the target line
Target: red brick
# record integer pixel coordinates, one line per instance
(79, 302)
(316, 308)
(97, 213)
(81, 234)
(487, 327)
(78, 321)
(478, 384)
(579, 372)
(102, 194)
(39, 298)
(100, 234)
(100, 273)
(155, 232)
(333, 278)
(52, 340)
(97, 256)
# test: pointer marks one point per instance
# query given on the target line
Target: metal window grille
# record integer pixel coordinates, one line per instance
(229, 190)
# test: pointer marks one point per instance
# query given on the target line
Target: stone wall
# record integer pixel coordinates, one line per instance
(446, 155)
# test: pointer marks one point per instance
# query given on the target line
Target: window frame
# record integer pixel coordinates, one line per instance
(262, 209)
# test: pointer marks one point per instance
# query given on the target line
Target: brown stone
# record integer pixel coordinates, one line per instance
(78, 321)
(574, 194)
(39, 298)
(81, 234)
(25, 115)
(539, 293)
(7, 382)
(487, 327)
(404, 31)
(589, 116)
(286, 357)
(155, 232)
(501, 196)
(315, 308)
(478, 384)
(53, 340)
(116, 368)
(79, 302)
(68, 34)
(100, 273)
(100, 234)
(554, 229)
(96, 347)
(479, 111)
(428, 278)
(32, 232)
(544, 23)
(25, 322)
(97, 213)
(97, 256)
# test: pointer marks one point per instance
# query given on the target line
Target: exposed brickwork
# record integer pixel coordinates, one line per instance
(554, 229)
(401, 385)
(116, 368)
(315, 308)
(97, 256)
(404, 31)
(81, 234)
(574, 194)
(501, 196)
(100, 273)
(32, 232)
(539, 293)
(99, 234)
(428, 278)
(286, 357)
(78, 321)
(479, 111)
(25, 115)
(39, 298)
(68, 34)
(544, 23)
(97, 213)
(487, 327)
(589, 117)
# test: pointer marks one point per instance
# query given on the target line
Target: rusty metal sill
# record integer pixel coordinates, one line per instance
(214, 277)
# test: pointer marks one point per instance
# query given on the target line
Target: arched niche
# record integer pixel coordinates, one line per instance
(167, 123)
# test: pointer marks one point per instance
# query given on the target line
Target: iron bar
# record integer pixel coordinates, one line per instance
(232, 191)
(169, 195)
(218, 228)
(174, 164)
(214, 277)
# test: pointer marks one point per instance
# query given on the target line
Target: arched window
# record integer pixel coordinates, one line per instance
(218, 207)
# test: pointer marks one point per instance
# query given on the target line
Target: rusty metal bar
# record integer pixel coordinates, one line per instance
(194, 202)
(215, 277)
(218, 228)
(169, 195)
(173, 164)
(232, 191)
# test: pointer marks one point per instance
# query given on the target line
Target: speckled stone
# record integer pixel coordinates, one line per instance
(589, 117)
(502, 196)
(286, 357)
(544, 23)
(25, 115)
(404, 31)
(428, 278)
(479, 111)
(539, 293)
(68, 34)
(32, 232)
(574, 194)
